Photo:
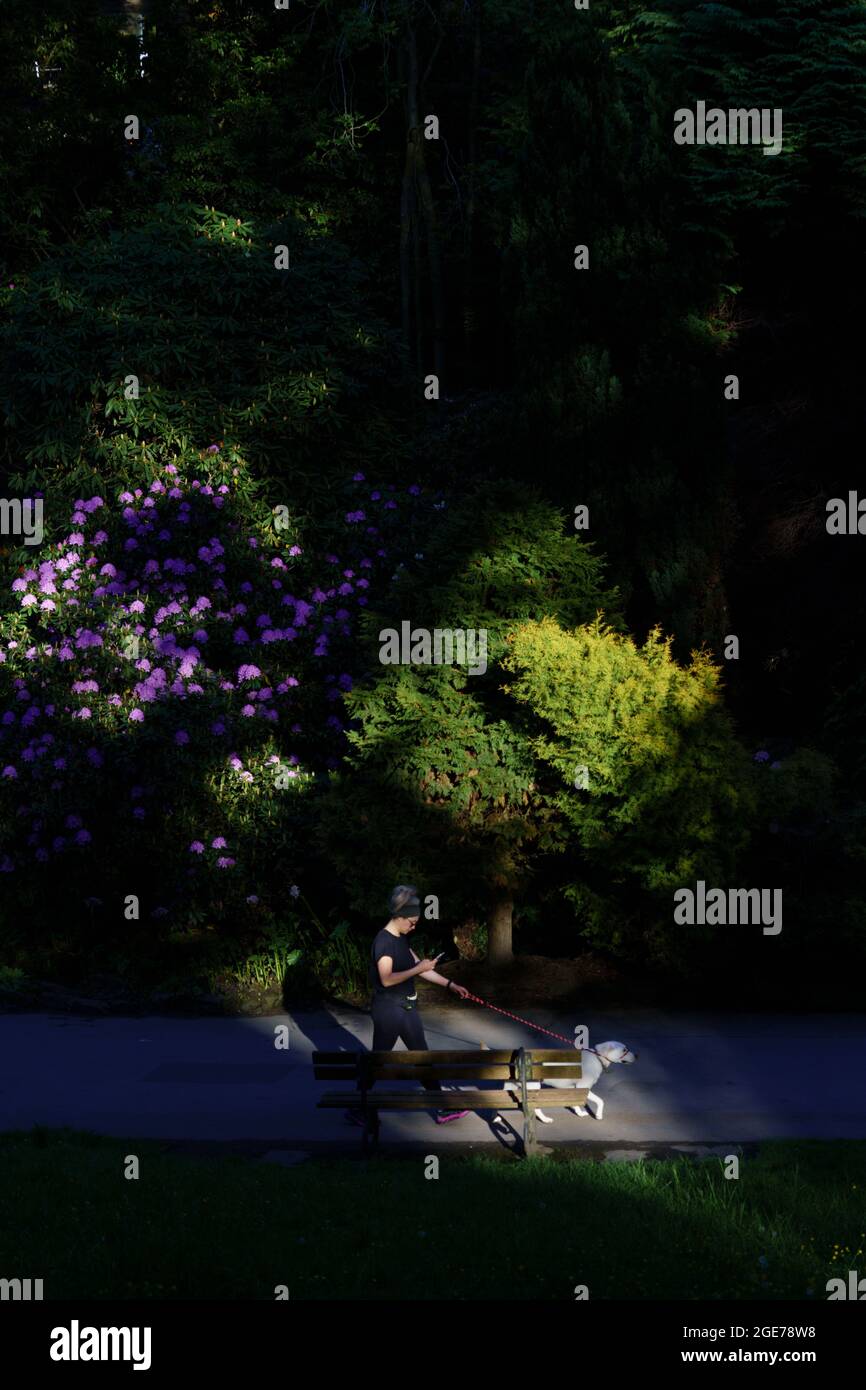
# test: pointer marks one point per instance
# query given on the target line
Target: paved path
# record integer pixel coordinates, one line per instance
(699, 1078)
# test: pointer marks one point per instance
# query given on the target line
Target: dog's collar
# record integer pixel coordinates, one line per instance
(605, 1061)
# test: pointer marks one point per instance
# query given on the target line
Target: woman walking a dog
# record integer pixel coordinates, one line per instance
(394, 968)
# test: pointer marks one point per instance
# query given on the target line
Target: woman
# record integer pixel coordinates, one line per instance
(394, 1006)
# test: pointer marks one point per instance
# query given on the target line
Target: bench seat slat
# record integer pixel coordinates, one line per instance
(451, 1100)
(431, 1073)
(435, 1072)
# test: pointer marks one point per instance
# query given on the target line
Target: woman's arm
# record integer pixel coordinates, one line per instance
(435, 978)
(388, 977)
(431, 975)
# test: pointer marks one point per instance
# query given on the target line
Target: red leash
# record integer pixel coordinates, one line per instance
(476, 999)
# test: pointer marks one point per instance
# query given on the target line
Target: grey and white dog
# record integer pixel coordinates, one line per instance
(593, 1064)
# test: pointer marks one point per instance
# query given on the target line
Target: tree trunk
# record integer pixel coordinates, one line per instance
(470, 321)
(426, 205)
(499, 935)
(407, 223)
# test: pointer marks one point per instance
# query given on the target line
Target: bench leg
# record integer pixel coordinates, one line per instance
(530, 1139)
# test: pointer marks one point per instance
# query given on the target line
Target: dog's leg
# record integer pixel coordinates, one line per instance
(578, 1109)
(545, 1119)
(599, 1104)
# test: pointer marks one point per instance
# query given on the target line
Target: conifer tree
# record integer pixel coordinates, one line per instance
(440, 786)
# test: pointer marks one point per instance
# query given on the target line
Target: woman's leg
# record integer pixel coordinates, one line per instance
(387, 1022)
(412, 1034)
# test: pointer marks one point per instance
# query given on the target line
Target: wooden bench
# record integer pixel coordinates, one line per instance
(358, 1069)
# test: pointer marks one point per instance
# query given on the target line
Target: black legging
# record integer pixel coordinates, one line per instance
(390, 1022)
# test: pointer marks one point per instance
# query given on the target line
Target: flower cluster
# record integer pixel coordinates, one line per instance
(162, 653)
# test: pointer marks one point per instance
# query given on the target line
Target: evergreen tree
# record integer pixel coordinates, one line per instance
(617, 362)
(440, 783)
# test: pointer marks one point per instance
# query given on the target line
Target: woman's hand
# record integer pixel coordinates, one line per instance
(425, 965)
(458, 989)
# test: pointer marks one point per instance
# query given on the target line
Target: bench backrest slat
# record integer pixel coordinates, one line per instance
(547, 1065)
(420, 1058)
(562, 1054)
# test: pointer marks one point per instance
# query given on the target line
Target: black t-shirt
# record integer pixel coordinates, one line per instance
(385, 943)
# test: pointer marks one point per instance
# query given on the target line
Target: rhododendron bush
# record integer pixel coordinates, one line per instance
(172, 678)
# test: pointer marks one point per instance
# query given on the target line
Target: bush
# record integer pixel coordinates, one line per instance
(172, 679)
(224, 347)
(638, 757)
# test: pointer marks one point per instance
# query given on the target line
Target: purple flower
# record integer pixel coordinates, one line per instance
(196, 847)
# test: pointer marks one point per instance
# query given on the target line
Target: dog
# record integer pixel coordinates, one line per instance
(594, 1062)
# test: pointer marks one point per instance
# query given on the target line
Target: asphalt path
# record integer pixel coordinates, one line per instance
(699, 1078)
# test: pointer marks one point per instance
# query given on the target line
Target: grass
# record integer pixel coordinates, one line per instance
(487, 1228)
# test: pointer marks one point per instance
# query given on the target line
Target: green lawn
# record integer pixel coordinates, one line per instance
(487, 1228)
